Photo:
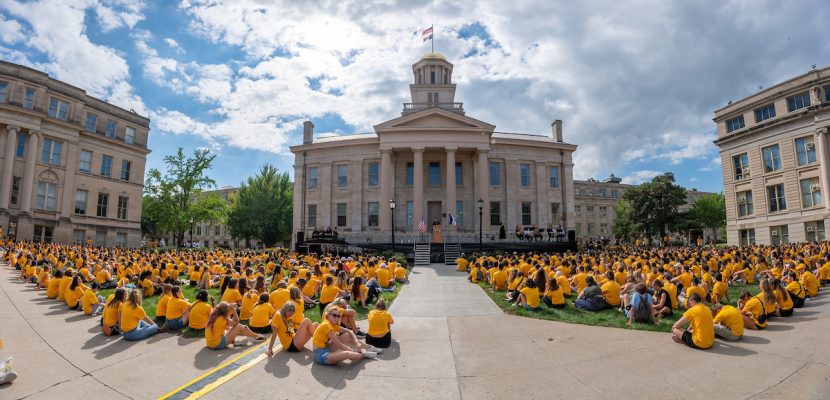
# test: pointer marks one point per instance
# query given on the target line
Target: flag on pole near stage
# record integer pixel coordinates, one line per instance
(422, 226)
(452, 219)
(426, 34)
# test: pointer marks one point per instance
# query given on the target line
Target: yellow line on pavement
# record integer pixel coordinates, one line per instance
(233, 374)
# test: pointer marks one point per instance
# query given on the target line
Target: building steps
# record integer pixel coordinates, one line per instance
(451, 253)
(422, 254)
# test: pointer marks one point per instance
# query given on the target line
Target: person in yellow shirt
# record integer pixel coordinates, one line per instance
(54, 285)
(728, 322)
(280, 295)
(379, 334)
(400, 273)
(333, 345)
(66, 280)
(223, 327)
(231, 294)
(292, 337)
(383, 276)
(499, 281)
(74, 293)
(261, 315)
(529, 296)
(200, 311)
(135, 324)
(91, 302)
(611, 291)
(756, 310)
(796, 289)
(329, 293)
(112, 313)
(461, 263)
(249, 300)
(177, 313)
(701, 331)
(783, 299)
(161, 306)
(44, 277)
(554, 295)
(811, 283)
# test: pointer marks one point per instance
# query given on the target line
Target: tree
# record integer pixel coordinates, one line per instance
(625, 226)
(262, 208)
(709, 211)
(654, 204)
(175, 199)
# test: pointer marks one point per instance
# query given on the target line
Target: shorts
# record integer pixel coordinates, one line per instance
(222, 344)
(323, 306)
(785, 313)
(724, 332)
(160, 320)
(380, 341)
(529, 308)
(687, 338)
(174, 324)
(292, 348)
(261, 329)
(321, 356)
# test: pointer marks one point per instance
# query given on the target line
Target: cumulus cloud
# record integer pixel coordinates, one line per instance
(174, 45)
(638, 177)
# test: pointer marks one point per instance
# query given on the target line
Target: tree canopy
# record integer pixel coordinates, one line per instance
(262, 208)
(652, 207)
(709, 211)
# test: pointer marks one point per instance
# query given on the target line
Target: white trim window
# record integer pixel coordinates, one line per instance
(58, 109)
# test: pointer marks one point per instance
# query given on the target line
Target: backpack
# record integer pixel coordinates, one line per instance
(479, 275)
(642, 313)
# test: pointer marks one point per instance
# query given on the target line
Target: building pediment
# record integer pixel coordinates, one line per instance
(434, 119)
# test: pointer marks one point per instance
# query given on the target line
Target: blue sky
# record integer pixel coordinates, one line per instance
(635, 84)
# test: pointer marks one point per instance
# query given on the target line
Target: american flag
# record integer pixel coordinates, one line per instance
(426, 34)
(422, 226)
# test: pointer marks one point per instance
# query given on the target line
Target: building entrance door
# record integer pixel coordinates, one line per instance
(435, 220)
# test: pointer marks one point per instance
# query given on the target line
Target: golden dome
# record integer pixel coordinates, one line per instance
(433, 56)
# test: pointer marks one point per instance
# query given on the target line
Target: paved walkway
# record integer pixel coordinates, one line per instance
(455, 343)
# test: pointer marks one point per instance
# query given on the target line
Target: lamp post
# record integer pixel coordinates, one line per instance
(392, 211)
(191, 232)
(480, 226)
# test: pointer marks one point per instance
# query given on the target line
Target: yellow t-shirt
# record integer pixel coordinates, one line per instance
(199, 314)
(328, 293)
(52, 289)
(321, 335)
(72, 297)
(730, 317)
(531, 296)
(283, 333)
(379, 321)
(102, 276)
(400, 272)
(176, 308)
(383, 277)
(261, 315)
(232, 296)
(111, 314)
(161, 306)
(130, 316)
(298, 314)
(279, 297)
(214, 334)
(785, 301)
(556, 297)
(695, 289)
(248, 302)
(500, 279)
(148, 287)
(62, 288)
(703, 330)
(88, 300)
(611, 292)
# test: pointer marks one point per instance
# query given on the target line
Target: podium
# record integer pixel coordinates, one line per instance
(436, 234)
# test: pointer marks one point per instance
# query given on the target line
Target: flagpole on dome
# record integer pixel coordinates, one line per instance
(432, 38)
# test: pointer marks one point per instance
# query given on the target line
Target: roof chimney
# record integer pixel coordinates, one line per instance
(557, 130)
(308, 132)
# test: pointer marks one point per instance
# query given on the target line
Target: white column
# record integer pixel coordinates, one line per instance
(356, 185)
(542, 205)
(386, 190)
(8, 166)
(483, 188)
(418, 188)
(28, 185)
(824, 157)
(68, 192)
(450, 206)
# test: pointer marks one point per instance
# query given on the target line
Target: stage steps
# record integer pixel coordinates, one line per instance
(422, 254)
(451, 253)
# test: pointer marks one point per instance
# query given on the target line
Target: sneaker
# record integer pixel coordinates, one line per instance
(374, 349)
(260, 337)
(395, 340)
(7, 377)
(369, 354)
(6, 366)
(360, 333)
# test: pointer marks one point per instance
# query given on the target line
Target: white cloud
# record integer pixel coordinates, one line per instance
(173, 44)
(638, 177)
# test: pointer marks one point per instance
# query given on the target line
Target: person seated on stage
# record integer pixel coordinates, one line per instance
(334, 232)
(519, 234)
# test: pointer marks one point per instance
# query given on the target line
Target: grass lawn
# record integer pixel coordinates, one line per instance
(611, 318)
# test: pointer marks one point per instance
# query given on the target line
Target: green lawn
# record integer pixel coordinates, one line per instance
(610, 318)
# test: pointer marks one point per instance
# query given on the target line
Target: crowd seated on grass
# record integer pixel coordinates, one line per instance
(234, 293)
(650, 285)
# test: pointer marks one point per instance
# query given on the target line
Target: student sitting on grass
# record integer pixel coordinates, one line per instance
(347, 317)
(701, 331)
(728, 322)
(292, 337)
(161, 306)
(146, 284)
(232, 295)
(112, 313)
(134, 322)
(91, 302)
(223, 327)
(178, 310)
(400, 272)
(329, 293)
(333, 345)
(639, 305)
(261, 315)
(529, 296)
(590, 298)
(200, 311)
(719, 292)
(500, 279)
(611, 291)
(662, 300)
(554, 295)
(249, 300)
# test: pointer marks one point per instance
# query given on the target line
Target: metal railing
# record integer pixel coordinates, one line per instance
(413, 107)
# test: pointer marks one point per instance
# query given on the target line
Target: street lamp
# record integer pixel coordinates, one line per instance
(480, 226)
(392, 211)
(191, 232)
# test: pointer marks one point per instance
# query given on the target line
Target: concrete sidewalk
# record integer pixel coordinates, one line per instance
(455, 343)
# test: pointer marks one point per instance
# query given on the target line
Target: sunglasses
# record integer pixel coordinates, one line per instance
(334, 315)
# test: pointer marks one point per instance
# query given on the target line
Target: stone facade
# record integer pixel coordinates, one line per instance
(434, 161)
(776, 161)
(72, 166)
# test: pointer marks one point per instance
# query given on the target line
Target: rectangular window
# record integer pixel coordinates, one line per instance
(29, 99)
(199, 230)
(555, 218)
(779, 235)
(459, 176)
(373, 211)
(603, 229)
(735, 123)
(745, 204)
(58, 109)
(764, 113)
(589, 192)
(810, 193)
(4, 89)
(126, 166)
(772, 158)
(614, 193)
(78, 236)
(103, 200)
(601, 192)
(106, 165)
(51, 152)
(776, 198)
(47, 194)
(434, 178)
(112, 127)
(80, 201)
(410, 210)
(578, 210)
(815, 231)
(524, 174)
(120, 240)
(312, 216)
(526, 216)
(805, 149)
(459, 213)
(589, 210)
(410, 174)
(217, 230)
(85, 163)
(495, 174)
(603, 211)
(373, 174)
(747, 236)
(42, 234)
(590, 228)
(741, 163)
(129, 135)
(799, 101)
(341, 214)
(342, 176)
(312, 178)
(495, 213)
(91, 122)
(21, 145)
(122, 207)
(15, 190)
(554, 177)
(100, 238)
